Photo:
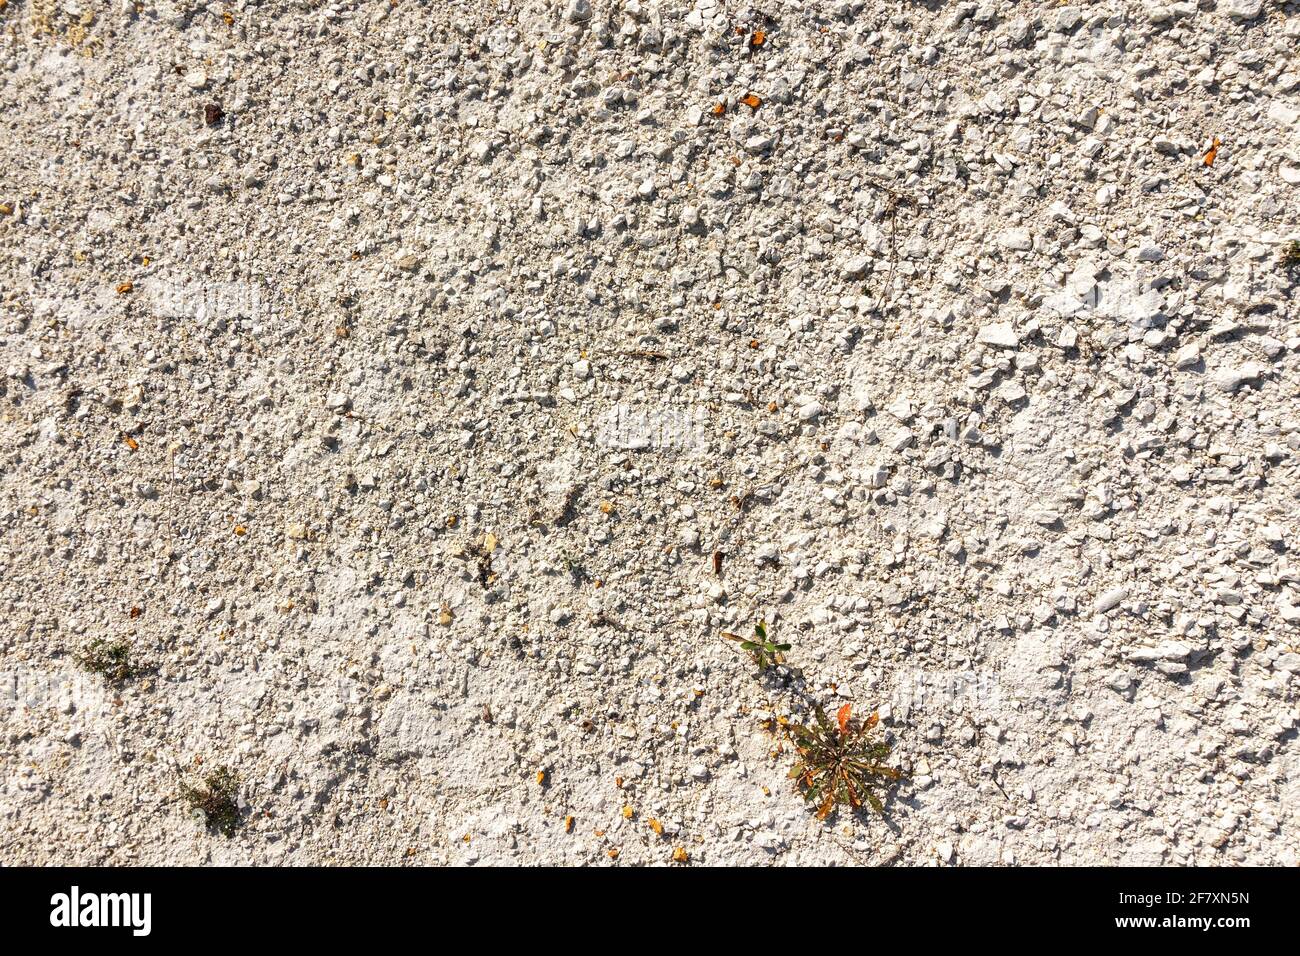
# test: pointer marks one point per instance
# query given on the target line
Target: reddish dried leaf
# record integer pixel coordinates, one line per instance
(1213, 152)
(825, 809)
(842, 717)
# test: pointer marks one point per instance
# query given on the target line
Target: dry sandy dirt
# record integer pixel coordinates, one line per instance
(413, 394)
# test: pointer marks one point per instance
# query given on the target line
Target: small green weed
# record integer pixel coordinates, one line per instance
(109, 659)
(839, 765)
(765, 653)
(217, 799)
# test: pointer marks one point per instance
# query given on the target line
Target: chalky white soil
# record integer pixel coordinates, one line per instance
(387, 375)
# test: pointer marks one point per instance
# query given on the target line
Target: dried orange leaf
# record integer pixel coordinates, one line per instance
(124, 287)
(680, 855)
(842, 717)
(719, 109)
(130, 442)
(1213, 152)
(656, 826)
(757, 38)
(872, 721)
(752, 101)
(568, 824)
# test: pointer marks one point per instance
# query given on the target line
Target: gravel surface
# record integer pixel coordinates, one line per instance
(415, 392)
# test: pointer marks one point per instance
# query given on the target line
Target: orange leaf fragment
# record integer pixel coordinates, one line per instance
(680, 855)
(613, 854)
(1213, 152)
(130, 442)
(719, 109)
(568, 824)
(656, 826)
(842, 717)
(240, 530)
(757, 38)
(872, 720)
(124, 287)
(752, 101)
